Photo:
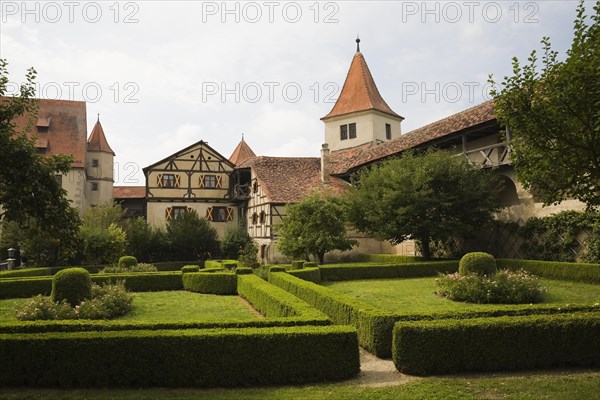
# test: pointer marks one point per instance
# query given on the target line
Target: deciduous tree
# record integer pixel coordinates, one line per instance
(553, 113)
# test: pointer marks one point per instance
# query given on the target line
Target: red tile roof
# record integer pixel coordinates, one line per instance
(62, 128)
(359, 92)
(241, 153)
(345, 160)
(97, 140)
(129, 192)
(290, 179)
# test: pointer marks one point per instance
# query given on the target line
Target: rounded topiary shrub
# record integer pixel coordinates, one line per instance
(127, 262)
(73, 285)
(479, 263)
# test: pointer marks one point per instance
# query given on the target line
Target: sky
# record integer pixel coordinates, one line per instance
(166, 74)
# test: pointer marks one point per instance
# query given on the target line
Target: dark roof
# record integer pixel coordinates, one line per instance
(345, 160)
(97, 140)
(359, 92)
(129, 192)
(290, 179)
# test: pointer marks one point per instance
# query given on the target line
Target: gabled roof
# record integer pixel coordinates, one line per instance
(359, 92)
(345, 160)
(97, 140)
(60, 128)
(290, 179)
(241, 153)
(186, 150)
(129, 192)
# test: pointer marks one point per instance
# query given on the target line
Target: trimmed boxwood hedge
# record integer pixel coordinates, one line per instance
(386, 258)
(346, 272)
(273, 301)
(180, 358)
(312, 274)
(215, 283)
(579, 272)
(497, 344)
(135, 282)
(375, 326)
(73, 285)
(189, 268)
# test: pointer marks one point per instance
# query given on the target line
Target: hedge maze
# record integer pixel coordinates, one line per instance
(311, 333)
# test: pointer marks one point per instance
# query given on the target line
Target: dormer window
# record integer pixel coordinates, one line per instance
(43, 124)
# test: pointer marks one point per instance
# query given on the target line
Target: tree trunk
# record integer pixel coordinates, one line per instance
(425, 249)
(321, 256)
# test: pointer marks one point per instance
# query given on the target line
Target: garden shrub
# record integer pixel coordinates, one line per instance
(386, 258)
(25, 287)
(477, 262)
(106, 302)
(579, 272)
(189, 268)
(298, 264)
(309, 264)
(497, 344)
(73, 285)
(230, 265)
(139, 267)
(180, 358)
(504, 287)
(127, 262)
(249, 255)
(312, 274)
(216, 283)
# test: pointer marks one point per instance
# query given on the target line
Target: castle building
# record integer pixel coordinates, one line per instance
(61, 128)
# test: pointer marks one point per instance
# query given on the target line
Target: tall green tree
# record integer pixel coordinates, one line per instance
(314, 226)
(30, 195)
(553, 114)
(192, 237)
(426, 197)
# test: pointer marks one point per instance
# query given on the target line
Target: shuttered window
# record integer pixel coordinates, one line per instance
(168, 180)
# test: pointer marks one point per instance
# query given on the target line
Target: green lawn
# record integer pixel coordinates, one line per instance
(417, 294)
(165, 306)
(531, 386)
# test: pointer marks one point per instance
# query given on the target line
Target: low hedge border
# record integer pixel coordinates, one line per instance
(579, 272)
(386, 258)
(375, 326)
(222, 283)
(135, 282)
(273, 301)
(93, 269)
(346, 272)
(311, 274)
(497, 344)
(182, 358)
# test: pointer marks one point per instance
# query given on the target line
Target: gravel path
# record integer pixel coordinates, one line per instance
(375, 372)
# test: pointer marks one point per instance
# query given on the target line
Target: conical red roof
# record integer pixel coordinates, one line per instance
(359, 92)
(241, 153)
(97, 140)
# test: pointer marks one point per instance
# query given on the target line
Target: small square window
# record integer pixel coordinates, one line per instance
(388, 131)
(94, 186)
(210, 181)
(219, 214)
(352, 131)
(168, 180)
(95, 163)
(179, 211)
(343, 132)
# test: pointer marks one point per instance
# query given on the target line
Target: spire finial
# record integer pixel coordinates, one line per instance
(98, 118)
(357, 44)
(242, 136)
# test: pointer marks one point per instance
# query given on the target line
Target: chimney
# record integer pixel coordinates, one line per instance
(325, 152)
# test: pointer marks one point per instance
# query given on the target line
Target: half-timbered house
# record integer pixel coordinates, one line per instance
(195, 178)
